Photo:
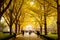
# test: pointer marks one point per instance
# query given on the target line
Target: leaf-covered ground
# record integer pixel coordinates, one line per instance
(27, 37)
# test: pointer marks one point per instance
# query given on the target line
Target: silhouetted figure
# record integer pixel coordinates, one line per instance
(22, 31)
(30, 32)
(15, 35)
(38, 33)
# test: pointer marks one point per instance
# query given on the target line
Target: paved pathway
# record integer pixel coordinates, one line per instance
(26, 36)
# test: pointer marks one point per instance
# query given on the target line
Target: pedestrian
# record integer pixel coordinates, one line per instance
(22, 31)
(38, 33)
(29, 32)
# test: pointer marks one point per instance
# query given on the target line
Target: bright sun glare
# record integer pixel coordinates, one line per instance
(2, 19)
(28, 27)
(32, 2)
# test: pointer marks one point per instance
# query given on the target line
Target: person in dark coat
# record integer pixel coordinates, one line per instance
(22, 31)
(30, 32)
(38, 33)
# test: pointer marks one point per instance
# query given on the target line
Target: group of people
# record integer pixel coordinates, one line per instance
(37, 32)
(22, 31)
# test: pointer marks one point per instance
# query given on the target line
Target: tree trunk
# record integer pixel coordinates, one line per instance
(40, 29)
(19, 29)
(45, 27)
(16, 27)
(16, 24)
(58, 20)
(10, 29)
(0, 13)
(41, 24)
(11, 22)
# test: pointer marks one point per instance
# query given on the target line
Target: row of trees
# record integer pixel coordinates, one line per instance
(46, 10)
(11, 11)
(56, 7)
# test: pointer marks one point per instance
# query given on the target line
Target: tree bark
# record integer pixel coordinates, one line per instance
(16, 24)
(58, 19)
(40, 29)
(11, 22)
(15, 27)
(19, 29)
(41, 24)
(45, 26)
(0, 12)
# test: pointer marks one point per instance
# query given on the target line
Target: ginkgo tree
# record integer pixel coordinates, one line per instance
(12, 14)
(36, 9)
(58, 19)
(4, 8)
(48, 10)
(18, 11)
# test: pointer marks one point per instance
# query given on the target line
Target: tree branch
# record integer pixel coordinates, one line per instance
(6, 21)
(5, 8)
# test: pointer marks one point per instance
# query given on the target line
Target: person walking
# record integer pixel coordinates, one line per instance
(22, 31)
(38, 33)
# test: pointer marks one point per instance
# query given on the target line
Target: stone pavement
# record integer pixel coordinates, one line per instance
(26, 36)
